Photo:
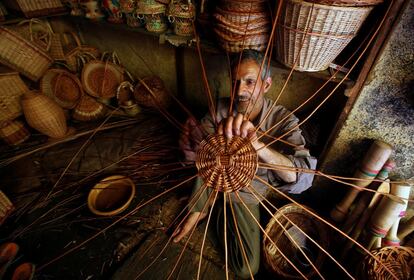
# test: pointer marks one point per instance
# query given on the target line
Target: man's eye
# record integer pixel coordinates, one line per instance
(250, 82)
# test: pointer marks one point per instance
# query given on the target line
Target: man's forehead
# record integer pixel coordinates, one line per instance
(246, 67)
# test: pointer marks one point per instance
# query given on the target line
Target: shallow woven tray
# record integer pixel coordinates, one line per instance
(101, 79)
(88, 109)
(283, 241)
(226, 167)
(63, 87)
(329, 31)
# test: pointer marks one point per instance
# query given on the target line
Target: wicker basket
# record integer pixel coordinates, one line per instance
(88, 109)
(399, 260)
(13, 132)
(6, 207)
(11, 90)
(181, 9)
(22, 55)
(44, 114)
(125, 98)
(283, 241)
(63, 87)
(36, 8)
(243, 6)
(347, 3)
(159, 96)
(156, 23)
(330, 29)
(74, 54)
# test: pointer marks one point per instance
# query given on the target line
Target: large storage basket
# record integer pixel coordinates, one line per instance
(36, 8)
(11, 90)
(329, 30)
(22, 55)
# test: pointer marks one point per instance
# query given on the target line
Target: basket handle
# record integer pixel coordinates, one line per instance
(45, 25)
(124, 84)
(74, 36)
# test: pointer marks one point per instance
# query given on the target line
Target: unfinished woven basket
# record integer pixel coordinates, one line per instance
(22, 55)
(13, 132)
(11, 89)
(63, 87)
(157, 97)
(397, 259)
(88, 109)
(226, 167)
(330, 29)
(282, 242)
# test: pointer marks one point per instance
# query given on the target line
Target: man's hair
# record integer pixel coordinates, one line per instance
(257, 57)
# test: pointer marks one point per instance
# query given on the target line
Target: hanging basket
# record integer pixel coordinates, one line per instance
(282, 242)
(101, 78)
(399, 260)
(88, 109)
(243, 6)
(22, 55)
(63, 87)
(330, 29)
(156, 23)
(181, 9)
(13, 132)
(11, 89)
(158, 97)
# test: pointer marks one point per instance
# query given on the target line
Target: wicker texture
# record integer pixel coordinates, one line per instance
(330, 29)
(283, 241)
(63, 87)
(11, 90)
(101, 79)
(88, 109)
(22, 55)
(182, 14)
(6, 207)
(156, 23)
(44, 114)
(159, 97)
(400, 260)
(31, 8)
(226, 167)
(347, 3)
(73, 54)
(13, 132)
(242, 25)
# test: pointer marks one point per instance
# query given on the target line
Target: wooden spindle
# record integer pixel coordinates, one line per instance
(370, 166)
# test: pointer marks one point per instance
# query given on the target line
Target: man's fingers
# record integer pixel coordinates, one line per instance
(247, 129)
(228, 127)
(238, 120)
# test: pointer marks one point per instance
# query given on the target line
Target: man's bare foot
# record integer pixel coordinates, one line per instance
(188, 224)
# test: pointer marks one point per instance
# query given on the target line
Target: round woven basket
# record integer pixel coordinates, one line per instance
(330, 29)
(397, 259)
(243, 6)
(183, 27)
(101, 79)
(111, 195)
(283, 241)
(226, 167)
(160, 97)
(156, 23)
(13, 132)
(63, 87)
(88, 109)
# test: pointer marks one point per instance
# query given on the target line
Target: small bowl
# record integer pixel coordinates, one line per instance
(111, 195)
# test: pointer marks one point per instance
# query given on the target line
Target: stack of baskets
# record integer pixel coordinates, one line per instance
(310, 34)
(181, 15)
(242, 24)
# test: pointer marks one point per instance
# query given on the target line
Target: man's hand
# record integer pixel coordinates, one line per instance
(187, 225)
(237, 126)
(190, 139)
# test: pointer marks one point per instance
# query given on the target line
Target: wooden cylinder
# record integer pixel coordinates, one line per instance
(406, 228)
(366, 197)
(44, 115)
(402, 191)
(370, 166)
(382, 219)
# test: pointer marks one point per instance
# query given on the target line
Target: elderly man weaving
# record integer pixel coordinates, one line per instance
(249, 102)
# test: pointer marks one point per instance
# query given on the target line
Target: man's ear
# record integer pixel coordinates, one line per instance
(267, 84)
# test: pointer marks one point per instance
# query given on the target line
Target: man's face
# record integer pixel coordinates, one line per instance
(250, 88)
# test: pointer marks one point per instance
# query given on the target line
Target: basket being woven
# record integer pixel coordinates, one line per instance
(63, 87)
(282, 242)
(397, 259)
(22, 55)
(226, 167)
(330, 29)
(11, 89)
